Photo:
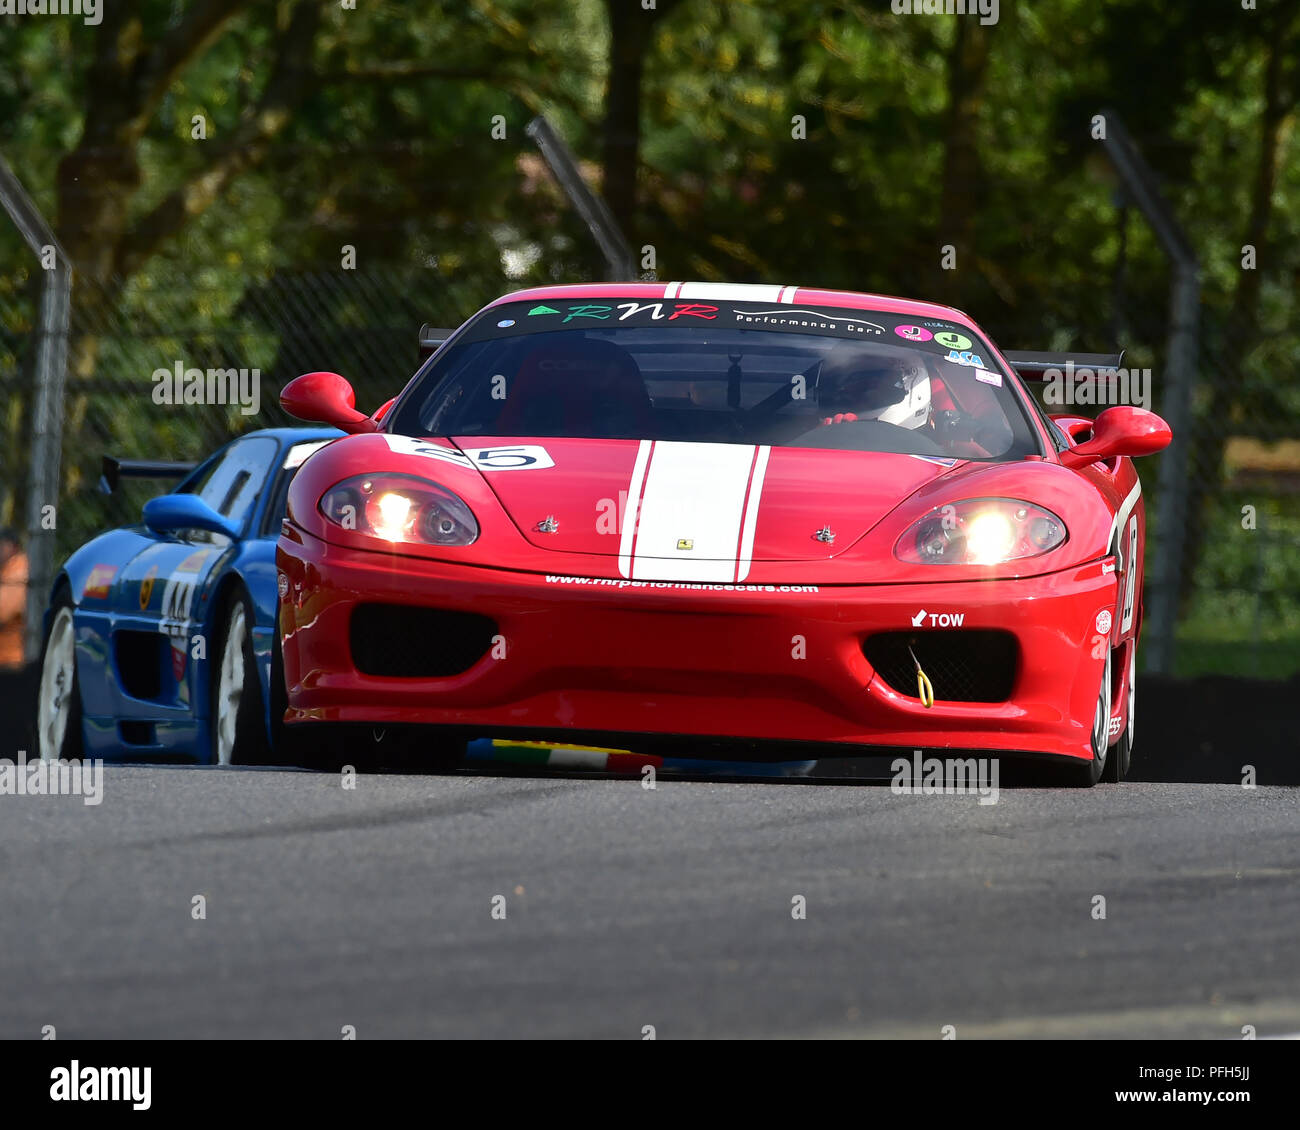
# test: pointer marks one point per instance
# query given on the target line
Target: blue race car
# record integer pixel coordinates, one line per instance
(160, 638)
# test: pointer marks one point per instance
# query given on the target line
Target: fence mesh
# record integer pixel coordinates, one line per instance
(1240, 606)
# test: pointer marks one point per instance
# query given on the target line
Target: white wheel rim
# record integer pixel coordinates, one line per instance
(230, 687)
(1132, 690)
(57, 685)
(1101, 718)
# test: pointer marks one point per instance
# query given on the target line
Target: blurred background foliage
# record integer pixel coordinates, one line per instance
(379, 128)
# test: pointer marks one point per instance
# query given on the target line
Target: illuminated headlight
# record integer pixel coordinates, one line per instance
(400, 508)
(981, 531)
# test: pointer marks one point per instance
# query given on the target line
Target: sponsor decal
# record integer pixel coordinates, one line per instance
(178, 601)
(685, 543)
(99, 582)
(938, 619)
(178, 595)
(676, 586)
(952, 341)
(505, 322)
(1130, 582)
(536, 310)
(1104, 622)
(810, 319)
(517, 457)
(913, 333)
(600, 313)
(989, 378)
(180, 658)
(965, 358)
(657, 311)
(194, 562)
(146, 587)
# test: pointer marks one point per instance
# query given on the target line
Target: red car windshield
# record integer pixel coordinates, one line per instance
(787, 377)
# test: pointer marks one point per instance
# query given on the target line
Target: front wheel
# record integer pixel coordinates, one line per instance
(1090, 772)
(1121, 757)
(237, 726)
(58, 704)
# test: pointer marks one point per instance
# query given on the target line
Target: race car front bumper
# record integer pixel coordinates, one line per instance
(384, 639)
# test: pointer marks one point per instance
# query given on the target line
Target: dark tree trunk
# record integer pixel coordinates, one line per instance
(631, 29)
(967, 68)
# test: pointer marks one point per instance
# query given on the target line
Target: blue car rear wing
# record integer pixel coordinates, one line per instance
(113, 470)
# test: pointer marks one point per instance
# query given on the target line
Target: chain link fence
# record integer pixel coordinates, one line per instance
(1239, 612)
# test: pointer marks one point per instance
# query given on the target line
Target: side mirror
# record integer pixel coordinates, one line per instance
(325, 398)
(171, 512)
(1122, 430)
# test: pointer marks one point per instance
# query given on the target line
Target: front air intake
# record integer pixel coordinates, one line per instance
(964, 665)
(399, 641)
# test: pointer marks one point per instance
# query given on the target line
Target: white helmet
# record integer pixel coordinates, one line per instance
(880, 383)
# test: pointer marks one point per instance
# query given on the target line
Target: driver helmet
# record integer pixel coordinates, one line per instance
(889, 385)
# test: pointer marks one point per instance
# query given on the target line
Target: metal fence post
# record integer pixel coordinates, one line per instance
(592, 208)
(1180, 380)
(47, 399)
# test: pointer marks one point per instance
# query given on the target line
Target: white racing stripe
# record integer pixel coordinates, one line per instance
(746, 556)
(734, 292)
(704, 496)
(631, 512)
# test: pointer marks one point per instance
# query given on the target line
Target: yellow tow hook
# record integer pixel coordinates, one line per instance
(925, 691)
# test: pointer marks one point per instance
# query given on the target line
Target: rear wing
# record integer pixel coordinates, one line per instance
(1036, 366)
(114, 470)
(430, 339)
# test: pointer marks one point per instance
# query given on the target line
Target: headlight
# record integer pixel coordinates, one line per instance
(400, 508)
(981, 531)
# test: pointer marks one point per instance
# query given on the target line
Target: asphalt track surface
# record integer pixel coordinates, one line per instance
(626, 907)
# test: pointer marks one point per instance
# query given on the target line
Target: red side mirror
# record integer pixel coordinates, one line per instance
(325, 398)
(1122, 430)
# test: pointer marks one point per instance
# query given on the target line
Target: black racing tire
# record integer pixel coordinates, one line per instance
(1120, 760)
(1088, 773)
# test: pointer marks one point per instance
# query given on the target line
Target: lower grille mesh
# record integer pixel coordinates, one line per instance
(969, 665)
(400, 641)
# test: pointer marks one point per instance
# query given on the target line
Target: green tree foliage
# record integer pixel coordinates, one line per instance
(831, 142)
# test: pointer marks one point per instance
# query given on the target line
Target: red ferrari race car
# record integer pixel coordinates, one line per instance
(725, 519)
